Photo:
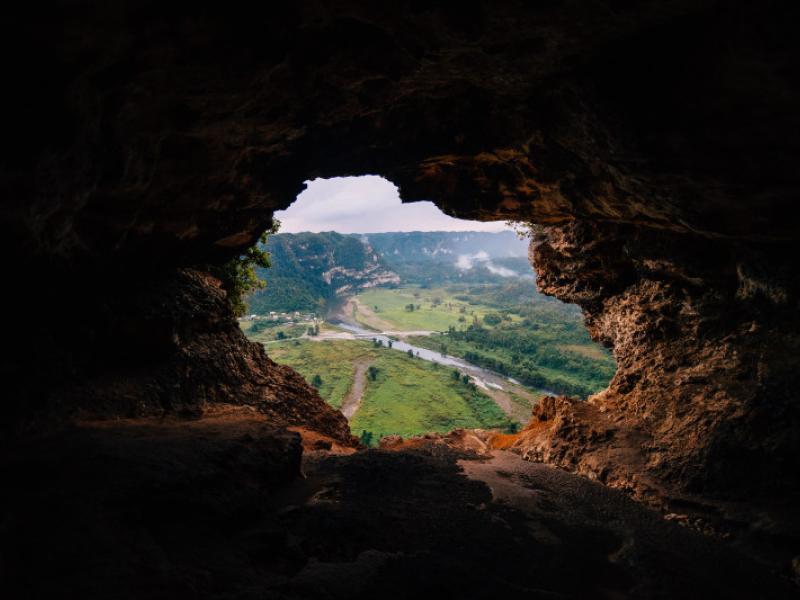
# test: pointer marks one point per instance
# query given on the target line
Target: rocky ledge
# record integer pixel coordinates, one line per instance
(216, 508)
(654, 143)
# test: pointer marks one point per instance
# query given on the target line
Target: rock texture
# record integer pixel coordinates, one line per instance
(157, 346)
(705, 334)
(656, 141)
(210, 510)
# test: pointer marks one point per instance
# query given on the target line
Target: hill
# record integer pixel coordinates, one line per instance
(310, 270)
(454, 256)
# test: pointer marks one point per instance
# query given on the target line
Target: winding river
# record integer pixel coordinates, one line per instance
(483, 378)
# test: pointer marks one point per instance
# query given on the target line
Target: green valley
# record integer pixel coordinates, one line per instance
(402, 395)
(541, 342)
(412, 308)
(485, 345)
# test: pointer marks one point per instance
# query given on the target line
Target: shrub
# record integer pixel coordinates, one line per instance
(238, 275)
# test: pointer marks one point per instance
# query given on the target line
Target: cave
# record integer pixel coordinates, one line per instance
(150, 450)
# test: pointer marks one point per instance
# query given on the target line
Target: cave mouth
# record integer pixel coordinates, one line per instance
(410, 321)
(656, 144)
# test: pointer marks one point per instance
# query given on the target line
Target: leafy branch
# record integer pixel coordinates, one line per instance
(239, 277)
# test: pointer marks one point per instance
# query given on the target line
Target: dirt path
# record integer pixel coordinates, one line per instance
(353, 400)
(368, 316)
(356, 312)
(502, 400)
(519, 409)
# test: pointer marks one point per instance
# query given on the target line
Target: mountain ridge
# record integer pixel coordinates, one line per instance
(310, 270)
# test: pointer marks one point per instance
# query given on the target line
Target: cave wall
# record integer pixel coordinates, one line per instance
(655, 142)
(705, 335)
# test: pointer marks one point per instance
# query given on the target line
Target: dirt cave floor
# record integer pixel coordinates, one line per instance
(233, 508)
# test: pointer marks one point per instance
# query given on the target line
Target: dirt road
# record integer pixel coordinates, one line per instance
(353, 400)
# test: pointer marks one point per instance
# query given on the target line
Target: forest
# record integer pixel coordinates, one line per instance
(541, 342)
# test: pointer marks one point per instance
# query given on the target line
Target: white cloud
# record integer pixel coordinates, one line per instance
(466, 261)
(368, 204)
(502, 271)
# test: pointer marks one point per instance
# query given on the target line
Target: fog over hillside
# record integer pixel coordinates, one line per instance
(311, 269)
(464, 250)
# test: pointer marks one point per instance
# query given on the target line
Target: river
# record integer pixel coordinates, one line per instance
(483, 378)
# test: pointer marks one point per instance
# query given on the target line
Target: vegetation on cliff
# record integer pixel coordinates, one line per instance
(309, 270)
(240, 277)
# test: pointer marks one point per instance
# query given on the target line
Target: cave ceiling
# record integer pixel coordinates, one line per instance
(181, 131)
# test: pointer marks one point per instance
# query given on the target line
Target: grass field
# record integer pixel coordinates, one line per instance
(437, 310)
(263, 332)
(588, 350)
(272, 332)
(408, 396)
(333, 361)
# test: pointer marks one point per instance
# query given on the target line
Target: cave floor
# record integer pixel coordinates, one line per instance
(223, 508)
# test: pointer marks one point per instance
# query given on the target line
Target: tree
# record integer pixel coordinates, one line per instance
(492, 319)
(443, 349)
(238, 276)
(389, 343)
(316, 381)
(456, 375)
(280, 335)
(366, 437)
(410, 353)
(372, 373)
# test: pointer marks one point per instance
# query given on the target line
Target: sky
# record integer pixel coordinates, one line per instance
(368, 204)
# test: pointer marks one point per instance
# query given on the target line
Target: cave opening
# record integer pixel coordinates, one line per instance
(410, 321)
(149, 449)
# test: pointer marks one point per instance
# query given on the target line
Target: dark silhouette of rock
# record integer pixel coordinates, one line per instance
(655, 144)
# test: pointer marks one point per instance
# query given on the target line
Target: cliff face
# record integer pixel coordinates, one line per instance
(705, 334)
(310, 269)
(655, 142)
(152, 345)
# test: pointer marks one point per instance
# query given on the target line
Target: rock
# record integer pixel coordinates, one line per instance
(662, 176)
(195, 360)
(686, 351)
(391, 441)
